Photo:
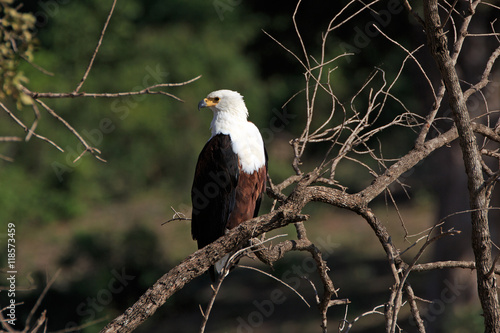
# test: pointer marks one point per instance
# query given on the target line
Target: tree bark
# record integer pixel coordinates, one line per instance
(481, 241)
(195, 265)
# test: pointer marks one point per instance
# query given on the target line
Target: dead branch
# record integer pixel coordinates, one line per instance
(485, 78)
(414, 308)
(448, 264)
(195, 265)
(481, 240)
(346, 329)
(146, 91)
(89, 67)
(25, 128)
(397, 289)
(280, 281)
(206, 314)
(37, 304)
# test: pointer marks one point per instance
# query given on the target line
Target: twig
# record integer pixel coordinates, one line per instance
(414, 13)
(331, 28)
(39, 322)
(373, 311)
(447, 264)
(6, 158)
(485, 76)
(35, 122)
(490, 4)
(410, 54)
(400, 217)
(89, 67)
(414, 308)
(206, 314)
(88, 148)
(222, 276)
(493, 267)
(279, 280)
(39, 300)
(145, 91)
(5, 322)
(402, 282)
(20, 123)
(178, 216)
(81, 327)
(299, 35)
(38, 67)
(449, 14)
(10, 138)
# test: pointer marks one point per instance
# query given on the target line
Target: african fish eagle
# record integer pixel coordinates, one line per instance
(230, 175)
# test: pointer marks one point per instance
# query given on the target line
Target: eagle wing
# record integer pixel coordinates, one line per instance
(214, 189)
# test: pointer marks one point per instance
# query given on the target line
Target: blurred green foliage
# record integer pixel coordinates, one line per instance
(146, 138)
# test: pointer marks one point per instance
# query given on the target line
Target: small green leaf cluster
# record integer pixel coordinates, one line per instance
(17, 41)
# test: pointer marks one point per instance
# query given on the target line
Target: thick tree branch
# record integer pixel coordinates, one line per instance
(448, 264)
(481, 241)
(197, 263)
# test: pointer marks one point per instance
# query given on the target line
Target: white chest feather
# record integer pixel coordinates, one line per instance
(246, 141)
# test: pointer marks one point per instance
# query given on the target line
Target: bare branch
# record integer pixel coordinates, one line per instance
(89, 67)
(20, 123)
(39, 301)
(94, 151)
(178, 216)
(486, 73)
(206, 314)
(375, 310)
(414, 13)
(10, 138)
(414, 309)
(481, 239)
(145, 91)
(448, 264)
(279, 280)
(81, 327)
(195, 265)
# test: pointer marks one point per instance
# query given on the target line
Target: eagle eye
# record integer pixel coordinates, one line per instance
(216, 99)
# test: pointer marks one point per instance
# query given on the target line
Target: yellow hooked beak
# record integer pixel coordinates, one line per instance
(208, 102)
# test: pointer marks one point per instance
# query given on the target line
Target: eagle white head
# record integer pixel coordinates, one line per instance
(225, 101)
(230, 118)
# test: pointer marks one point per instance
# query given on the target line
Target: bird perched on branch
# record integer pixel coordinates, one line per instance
(230, 175)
